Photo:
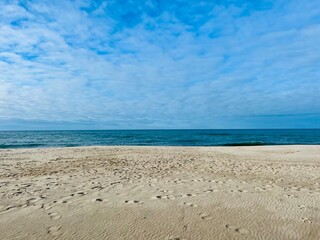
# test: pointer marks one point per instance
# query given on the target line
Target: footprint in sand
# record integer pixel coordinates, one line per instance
(97, 187)
(63, 200)
(306, 220)
(209, 191)
(174, 238)
(242, 191)
(191, 204)
(32, 200)
(16, 193)
(134, 201)
(54, 230)
(46, 207)
(178, 181)
(197, 180)
(292, 196)
(220, 182)
(164, 197)
(302, 207)
(97, 200)
(237, 229)
(157, 197)
(205, 216)
(163, 190)
(54, 215)
(189, 195)
(78, 194)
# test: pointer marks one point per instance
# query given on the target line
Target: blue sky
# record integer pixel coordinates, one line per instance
(159, 64)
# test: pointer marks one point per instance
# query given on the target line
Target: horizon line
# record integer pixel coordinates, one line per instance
(157, 129)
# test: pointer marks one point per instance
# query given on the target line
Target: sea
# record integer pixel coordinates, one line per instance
(196, 137)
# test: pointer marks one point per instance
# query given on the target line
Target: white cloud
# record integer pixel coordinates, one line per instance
(62, 63)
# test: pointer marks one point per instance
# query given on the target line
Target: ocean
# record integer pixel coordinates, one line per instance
(39, 139)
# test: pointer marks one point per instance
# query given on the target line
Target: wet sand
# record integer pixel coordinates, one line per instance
(270, 192)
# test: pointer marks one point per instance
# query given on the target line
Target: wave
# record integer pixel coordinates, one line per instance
(72, 145)
(248, 144)
(31, 145)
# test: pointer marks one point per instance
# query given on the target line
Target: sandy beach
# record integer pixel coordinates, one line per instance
(269, 192)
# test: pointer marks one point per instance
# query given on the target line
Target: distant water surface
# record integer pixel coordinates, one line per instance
(32, 139)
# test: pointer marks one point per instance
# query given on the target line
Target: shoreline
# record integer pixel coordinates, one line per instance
(163, 146)
(160, 192)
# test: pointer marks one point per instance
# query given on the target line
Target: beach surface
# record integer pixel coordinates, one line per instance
(265, 192)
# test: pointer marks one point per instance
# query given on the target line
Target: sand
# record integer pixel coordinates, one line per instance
(270, 192)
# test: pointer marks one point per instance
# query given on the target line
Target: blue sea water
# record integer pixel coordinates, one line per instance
(32, 139)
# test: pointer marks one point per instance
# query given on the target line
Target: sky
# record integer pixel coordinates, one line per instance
(131, 64)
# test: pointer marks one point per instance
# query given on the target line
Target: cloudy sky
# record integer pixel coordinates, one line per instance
(125, 64)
